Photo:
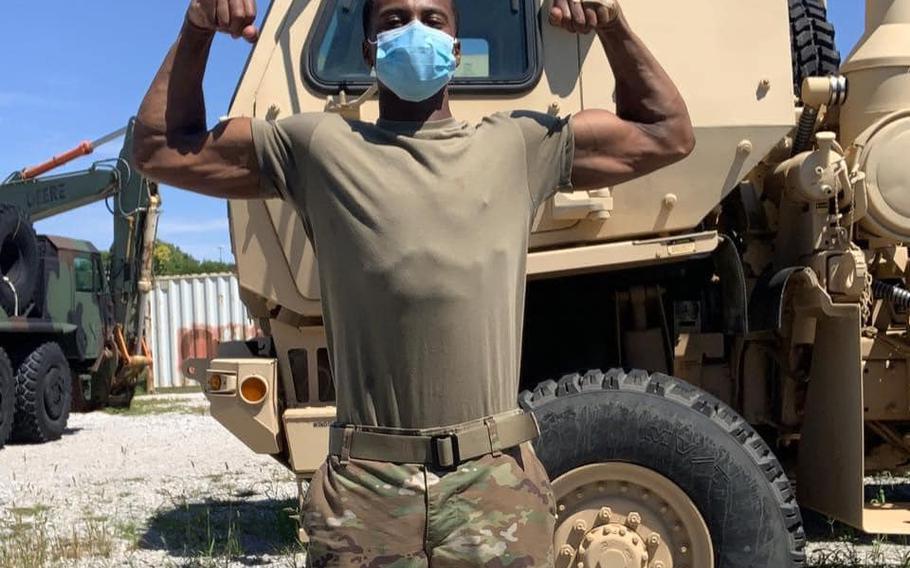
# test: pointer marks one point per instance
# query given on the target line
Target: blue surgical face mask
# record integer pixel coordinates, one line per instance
(415, 61)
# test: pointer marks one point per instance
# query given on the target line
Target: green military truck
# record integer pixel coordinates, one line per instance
(71, 320)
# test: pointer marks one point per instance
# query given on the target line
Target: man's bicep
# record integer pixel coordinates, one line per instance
(610, 150)
(220, 163)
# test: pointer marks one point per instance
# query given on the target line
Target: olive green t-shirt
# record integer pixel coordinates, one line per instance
(421, 233)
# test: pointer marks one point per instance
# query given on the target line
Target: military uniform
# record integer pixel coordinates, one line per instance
(421, 232)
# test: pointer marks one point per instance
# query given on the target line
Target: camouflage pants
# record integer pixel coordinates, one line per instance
(495, 511)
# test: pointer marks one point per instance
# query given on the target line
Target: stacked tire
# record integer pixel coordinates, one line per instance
(19, 263)
(812, 42)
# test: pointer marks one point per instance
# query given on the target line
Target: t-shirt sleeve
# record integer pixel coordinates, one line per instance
(549, 150)
(282, 149)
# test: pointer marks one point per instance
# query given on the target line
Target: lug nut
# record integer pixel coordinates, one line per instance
(633, 520)
(604, 515)
(566, 550)
(580, 526)
(654, 540)
(658, 564)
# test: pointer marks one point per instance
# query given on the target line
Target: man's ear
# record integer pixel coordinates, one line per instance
(369, 53)
(457, 51)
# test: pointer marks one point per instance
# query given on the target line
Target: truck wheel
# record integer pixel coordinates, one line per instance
(7, 397)
(18, 259)
(648, 469)
(43, 395)
(812, 42)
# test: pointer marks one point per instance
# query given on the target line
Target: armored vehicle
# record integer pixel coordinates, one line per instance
(694, 339)
(72, 321)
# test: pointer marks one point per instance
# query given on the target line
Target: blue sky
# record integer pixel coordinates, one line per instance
(74, 71)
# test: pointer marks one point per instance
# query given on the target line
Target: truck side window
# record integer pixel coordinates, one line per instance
(84, 274)
(499, 42)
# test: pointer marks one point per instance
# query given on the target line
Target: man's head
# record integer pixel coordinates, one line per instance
(383, 15)
(412, 74)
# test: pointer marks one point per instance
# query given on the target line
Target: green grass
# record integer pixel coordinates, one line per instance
(204, 534)
(142, 406)
(850, 555)
(179, 390)
(27, 541)
(213, 533)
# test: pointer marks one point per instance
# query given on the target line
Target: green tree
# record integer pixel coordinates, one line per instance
(169, 260)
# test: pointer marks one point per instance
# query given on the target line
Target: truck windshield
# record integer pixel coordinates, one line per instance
(499, 44)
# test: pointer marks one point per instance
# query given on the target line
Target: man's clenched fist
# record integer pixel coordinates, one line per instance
(233, 17)
(582, 17)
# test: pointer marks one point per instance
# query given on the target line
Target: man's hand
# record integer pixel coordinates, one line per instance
(583, 17)
(234, 17)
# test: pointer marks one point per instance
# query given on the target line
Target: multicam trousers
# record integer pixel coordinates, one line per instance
(495, 511)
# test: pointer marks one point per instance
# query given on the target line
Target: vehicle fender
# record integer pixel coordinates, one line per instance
(767, 302)
(728, 265)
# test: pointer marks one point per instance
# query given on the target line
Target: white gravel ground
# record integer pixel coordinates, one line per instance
(176, 489)
(151, 481)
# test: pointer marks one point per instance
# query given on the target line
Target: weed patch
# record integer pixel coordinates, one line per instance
(27, 540)
(151, 406)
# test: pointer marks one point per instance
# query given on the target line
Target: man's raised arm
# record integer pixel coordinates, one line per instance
(172, 143)
(651, 128)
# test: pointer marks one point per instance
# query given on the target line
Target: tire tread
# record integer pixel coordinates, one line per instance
(7, 397)
(812, 42)
(27, 423)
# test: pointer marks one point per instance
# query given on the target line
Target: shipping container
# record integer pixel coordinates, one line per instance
(188, 317)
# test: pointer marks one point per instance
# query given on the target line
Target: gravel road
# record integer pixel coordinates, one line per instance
(161, 485)
(165, 485)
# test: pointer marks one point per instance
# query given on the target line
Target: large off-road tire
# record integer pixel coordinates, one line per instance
(694, 472)
(43, 395)
(7, 397)
(18, 260)
(812, 42)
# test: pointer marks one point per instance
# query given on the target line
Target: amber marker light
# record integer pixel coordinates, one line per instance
(253, 389)
(216, 382)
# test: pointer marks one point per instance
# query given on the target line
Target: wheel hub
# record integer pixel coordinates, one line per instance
(610, 543)
(617, 515)
(54, 394)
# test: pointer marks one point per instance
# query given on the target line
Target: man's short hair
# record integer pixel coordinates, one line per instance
(370, 5)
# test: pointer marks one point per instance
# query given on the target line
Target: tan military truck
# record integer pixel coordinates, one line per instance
(747, 303)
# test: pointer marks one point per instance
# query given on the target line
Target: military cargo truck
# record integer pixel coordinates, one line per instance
(71, 322)
(694, 339)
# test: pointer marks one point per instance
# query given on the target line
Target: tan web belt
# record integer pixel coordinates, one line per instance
(444, 450)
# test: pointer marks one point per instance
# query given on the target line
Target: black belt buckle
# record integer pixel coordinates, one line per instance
(445, 451)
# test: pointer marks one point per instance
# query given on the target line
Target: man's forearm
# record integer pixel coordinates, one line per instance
(644, 92)
(174, 106)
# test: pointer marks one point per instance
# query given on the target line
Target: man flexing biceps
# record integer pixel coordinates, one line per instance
(420, 223)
